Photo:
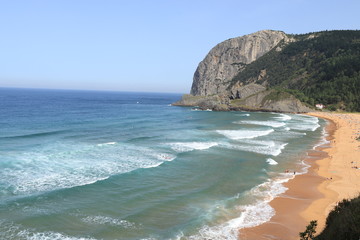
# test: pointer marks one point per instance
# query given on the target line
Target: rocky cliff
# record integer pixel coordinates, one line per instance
(273, 71)
(213, 86)
(227, 59)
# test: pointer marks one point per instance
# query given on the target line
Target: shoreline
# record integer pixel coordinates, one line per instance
(343, 155)
(311, 196)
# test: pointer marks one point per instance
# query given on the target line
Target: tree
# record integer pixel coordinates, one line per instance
(310, 231)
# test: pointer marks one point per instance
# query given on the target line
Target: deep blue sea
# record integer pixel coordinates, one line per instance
(120, 165)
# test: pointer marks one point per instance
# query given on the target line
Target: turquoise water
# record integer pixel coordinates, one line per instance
(117, 165)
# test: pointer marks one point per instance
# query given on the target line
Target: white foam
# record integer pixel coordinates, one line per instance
(306, 123)
(221, 232)
(47, 236)
(284, 117)
(271, 161)
(308, 118)
(249, 215)
(243, 115)
(198, 109)
(264, 123)
(244, 134)
(103, 220)
(166, 157)
(108, 143)
(14, 231)
(57, 166)
(154, 165)
(323, 140)
(260, 212)
(305, 127)
(268, 143)
(260, 147)
(190, 146)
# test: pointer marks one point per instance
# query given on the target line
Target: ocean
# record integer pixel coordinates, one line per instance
(125, 165)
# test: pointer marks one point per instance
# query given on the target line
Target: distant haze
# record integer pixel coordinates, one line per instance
(151, 46)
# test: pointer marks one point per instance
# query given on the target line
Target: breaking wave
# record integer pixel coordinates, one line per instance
(244, 134)
(190, 146)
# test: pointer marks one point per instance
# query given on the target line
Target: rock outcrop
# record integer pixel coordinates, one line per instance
(215, 102)
(240, 92)
(213, 85)
(271, 101)
(227, 59)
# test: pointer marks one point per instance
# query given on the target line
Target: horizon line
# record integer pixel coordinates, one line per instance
(87, 90)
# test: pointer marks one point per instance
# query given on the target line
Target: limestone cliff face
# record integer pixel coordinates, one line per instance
(225, 60)
(214, 89)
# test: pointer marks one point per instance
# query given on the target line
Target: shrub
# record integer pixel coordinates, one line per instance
(342, 223)
(310, 231)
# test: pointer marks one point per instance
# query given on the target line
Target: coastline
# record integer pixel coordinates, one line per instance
(343, 155)
(329, 179)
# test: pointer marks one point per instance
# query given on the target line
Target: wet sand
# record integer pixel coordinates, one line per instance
(330, 178)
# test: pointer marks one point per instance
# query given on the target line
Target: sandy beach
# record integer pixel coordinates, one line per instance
(332, 176)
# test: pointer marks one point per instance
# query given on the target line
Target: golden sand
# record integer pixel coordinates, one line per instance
(344, 156)
(311, 196)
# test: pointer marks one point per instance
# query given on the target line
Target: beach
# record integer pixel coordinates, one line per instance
(331, 177)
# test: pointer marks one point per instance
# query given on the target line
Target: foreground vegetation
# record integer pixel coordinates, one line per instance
(321, 67)
(342, 223)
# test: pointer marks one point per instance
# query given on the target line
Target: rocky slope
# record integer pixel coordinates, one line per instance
(270, 100)
(272, 71)
(212, 86)
(227, 59)
(321, 67)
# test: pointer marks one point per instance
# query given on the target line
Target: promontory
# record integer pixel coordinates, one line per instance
(273, 71)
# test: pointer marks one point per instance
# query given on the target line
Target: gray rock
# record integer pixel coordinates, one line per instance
(215, 102)
(188, 100)
(291, 105)
(241, 92)
(266, 101)
(211, 87)
(225, 60)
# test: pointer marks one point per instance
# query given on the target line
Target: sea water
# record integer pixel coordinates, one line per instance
(121, 165)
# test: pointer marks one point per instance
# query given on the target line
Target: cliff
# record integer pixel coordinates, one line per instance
(213, 88)
(252, 71)
(227, 59)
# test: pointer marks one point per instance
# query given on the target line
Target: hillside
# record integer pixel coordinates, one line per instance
(214, 74)
(321, 67)
(342, 223)
(249, 71)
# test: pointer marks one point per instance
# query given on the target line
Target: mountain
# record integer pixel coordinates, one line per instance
(273, 71)
(227, 59)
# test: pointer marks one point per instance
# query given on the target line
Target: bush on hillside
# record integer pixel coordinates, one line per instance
(322, 69)
(342, 223)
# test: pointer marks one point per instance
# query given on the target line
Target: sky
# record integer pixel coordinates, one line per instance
(140, 45)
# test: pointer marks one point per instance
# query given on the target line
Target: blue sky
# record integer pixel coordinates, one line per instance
(140, 45)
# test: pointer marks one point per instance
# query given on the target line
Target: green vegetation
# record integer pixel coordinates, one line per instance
(277, 95)
(310, 231)
(319, 67)
(342, 223)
